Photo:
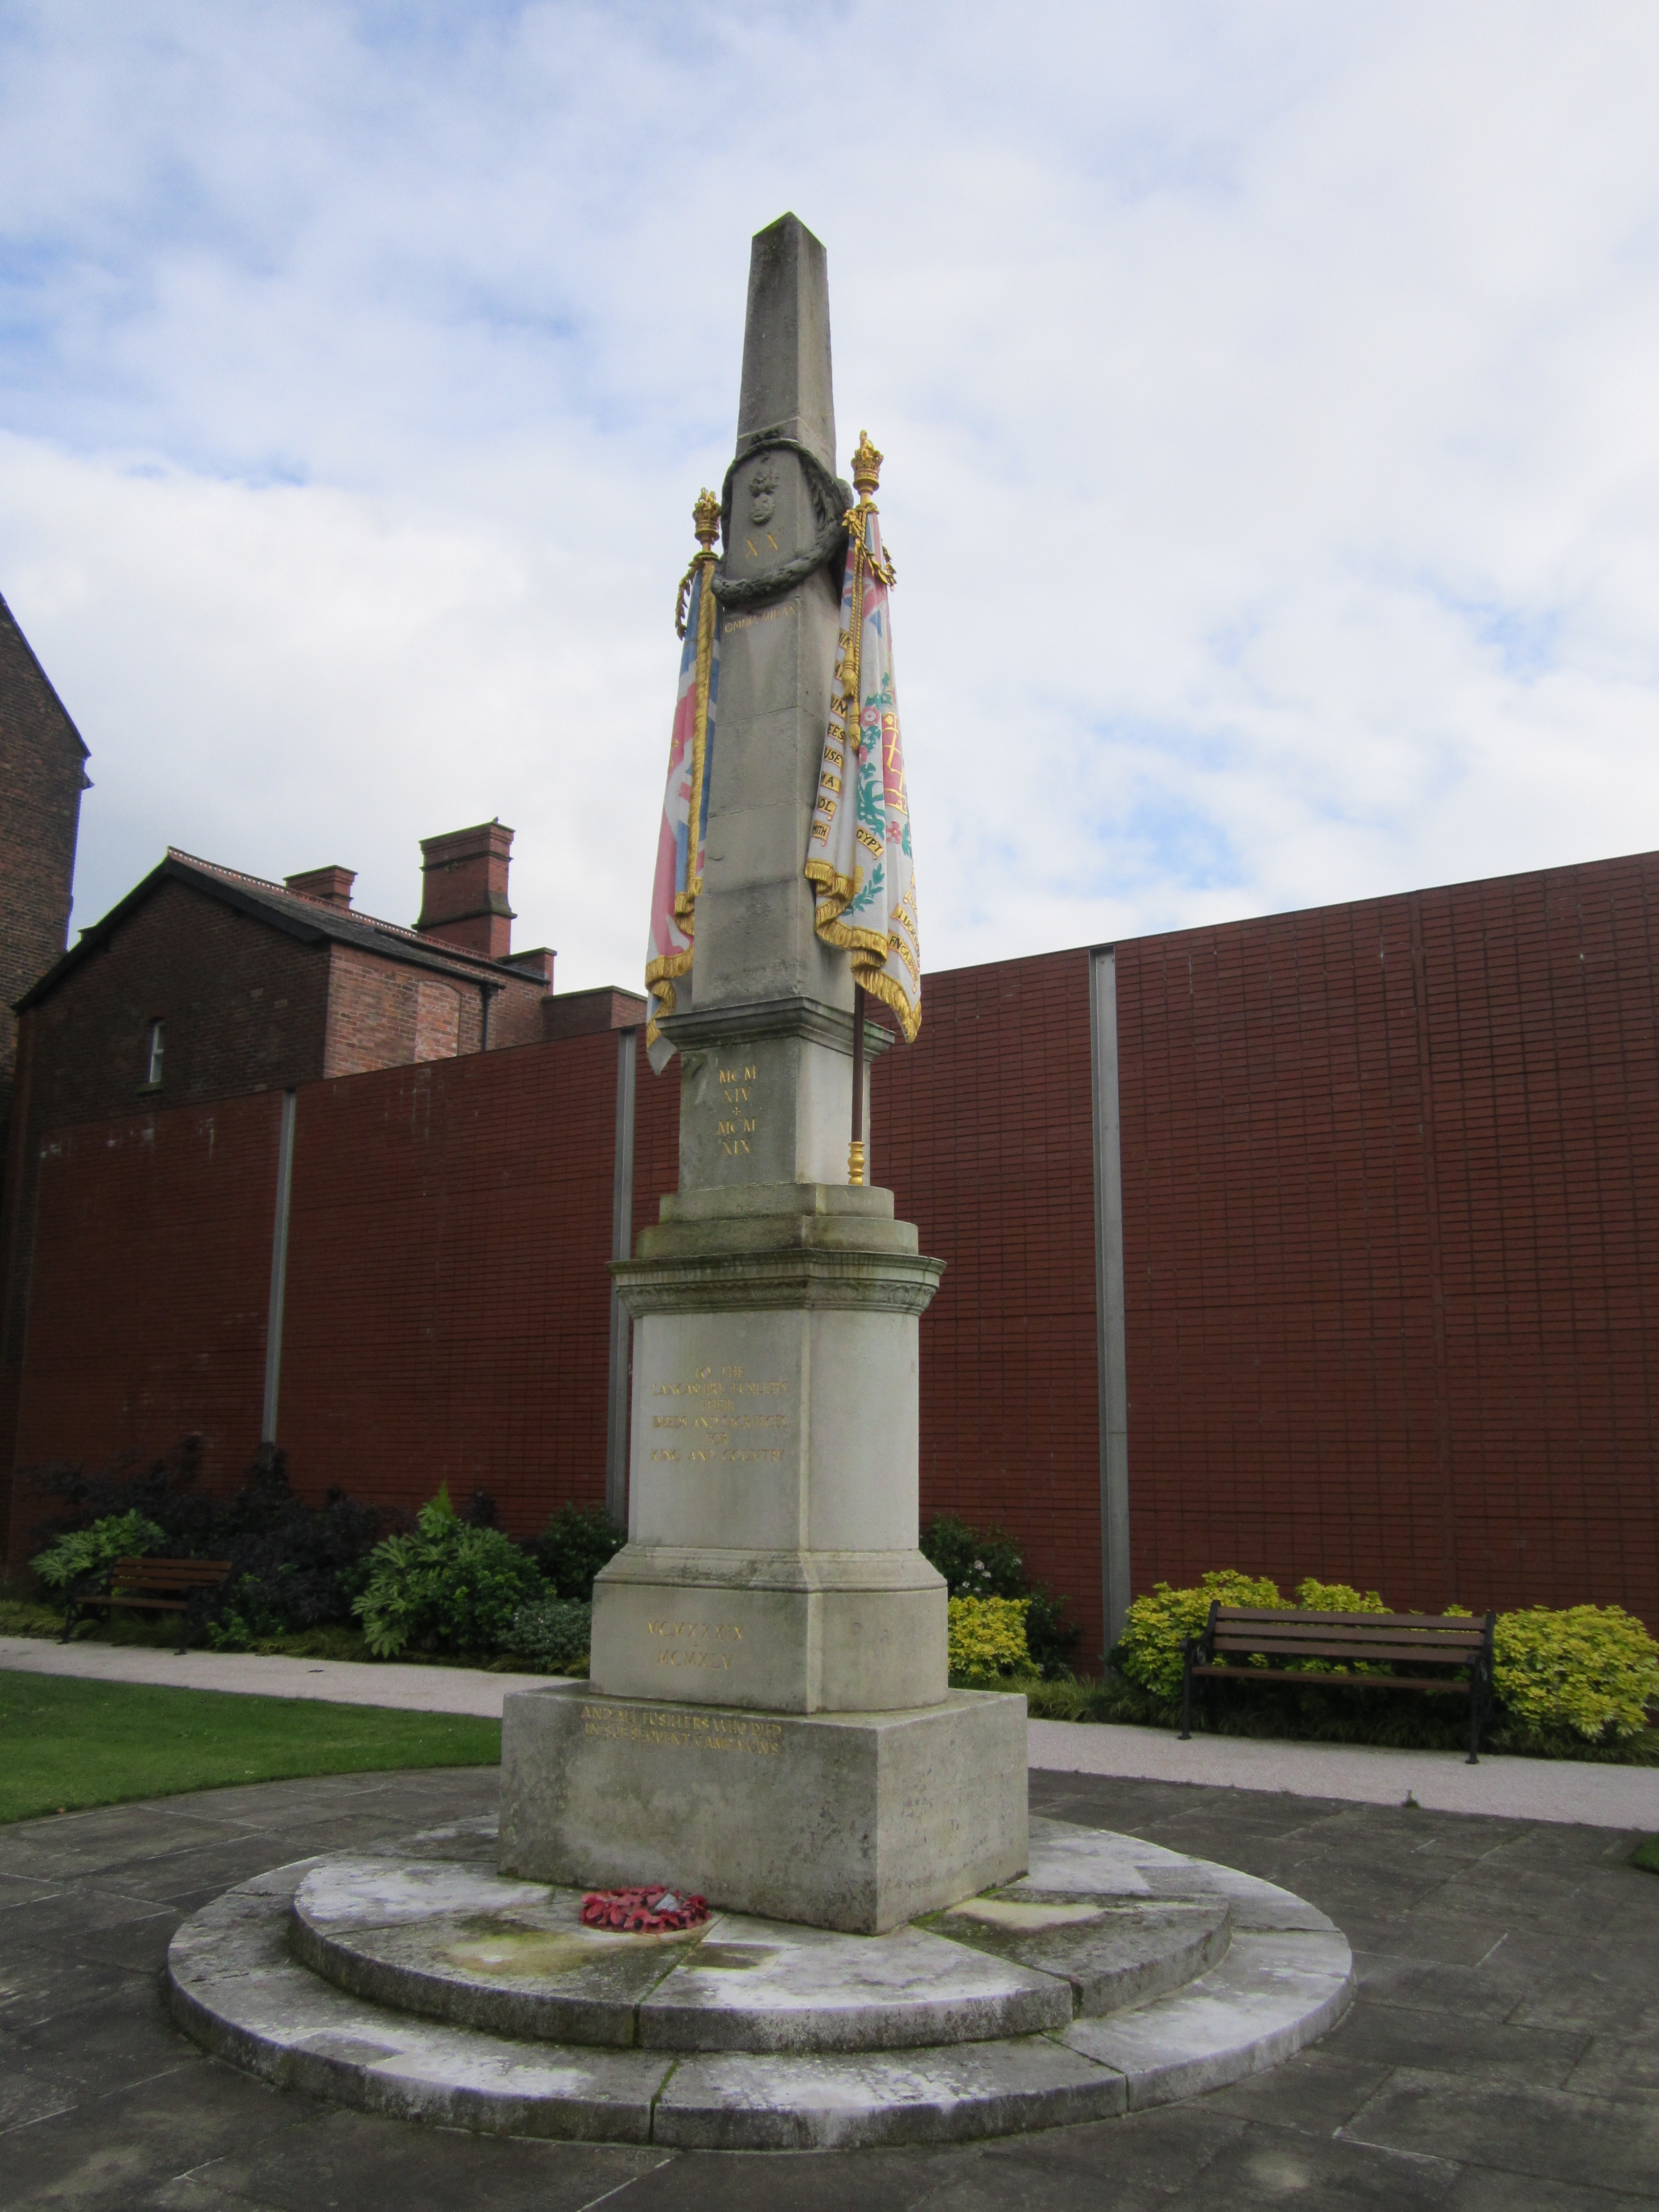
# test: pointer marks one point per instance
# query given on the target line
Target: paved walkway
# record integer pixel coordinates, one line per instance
(1440, 1781)
(336, 1681)
(1502, 2055)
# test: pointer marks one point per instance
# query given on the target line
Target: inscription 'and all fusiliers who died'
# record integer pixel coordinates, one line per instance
(680, 1728)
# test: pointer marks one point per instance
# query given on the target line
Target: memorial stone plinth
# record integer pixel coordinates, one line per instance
(768, 1717)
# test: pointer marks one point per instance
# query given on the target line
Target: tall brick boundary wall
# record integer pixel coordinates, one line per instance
(982, 1130)
(1391, 1201)
(448, 1313)
(447, 1306)
(150, 1284)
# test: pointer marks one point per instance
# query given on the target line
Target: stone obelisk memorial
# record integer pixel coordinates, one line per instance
(769, 1719)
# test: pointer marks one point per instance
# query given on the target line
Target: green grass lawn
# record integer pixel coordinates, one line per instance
(66, 1743)
(1646, 1855)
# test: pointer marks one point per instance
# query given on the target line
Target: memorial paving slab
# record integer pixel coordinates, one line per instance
(1502, 2050)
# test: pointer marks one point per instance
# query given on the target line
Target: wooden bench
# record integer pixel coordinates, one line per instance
(1240, 1633)
(145, 1585)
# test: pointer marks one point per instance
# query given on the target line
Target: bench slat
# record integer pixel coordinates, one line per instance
(1452, 1625)
(1333, 1647)
(170, 1571)
(1343, 1681)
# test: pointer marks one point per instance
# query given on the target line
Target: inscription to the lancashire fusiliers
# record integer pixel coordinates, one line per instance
(726, 1418)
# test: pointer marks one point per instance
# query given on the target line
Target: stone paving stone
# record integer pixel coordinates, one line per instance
(146, 2134)
(1482, 2190)
(1324, 2088)
(1398, 2035)
(1621, 2062)
(1525, 2131)
(1275, 2167)
(343, 2162)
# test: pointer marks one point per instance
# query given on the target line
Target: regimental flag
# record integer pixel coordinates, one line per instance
(858, 851)
(683, 835)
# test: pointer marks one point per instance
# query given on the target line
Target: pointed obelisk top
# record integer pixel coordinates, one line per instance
(786, 341)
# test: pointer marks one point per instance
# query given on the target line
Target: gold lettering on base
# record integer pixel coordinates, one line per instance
(722, 1425)
(689, 1731)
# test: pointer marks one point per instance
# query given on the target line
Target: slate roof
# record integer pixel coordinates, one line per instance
(312, 920)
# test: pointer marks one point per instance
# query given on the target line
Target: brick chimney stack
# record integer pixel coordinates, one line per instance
(464, 890)
(331, 885)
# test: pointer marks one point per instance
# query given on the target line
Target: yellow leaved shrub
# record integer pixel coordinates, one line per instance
(987, 1642)
(1590, 1669)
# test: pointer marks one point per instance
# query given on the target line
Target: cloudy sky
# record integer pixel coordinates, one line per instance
(1270, 393)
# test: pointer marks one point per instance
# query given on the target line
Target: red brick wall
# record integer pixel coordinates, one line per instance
(378, 1018)
(1391, 1196)
(244, 1007)
(41, 777)
(982, 1130)
(150, 1288)
(447, 1317)
(656, 1136)
(515, 1015)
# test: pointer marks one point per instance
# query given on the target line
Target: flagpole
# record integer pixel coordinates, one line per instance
(855, 1151)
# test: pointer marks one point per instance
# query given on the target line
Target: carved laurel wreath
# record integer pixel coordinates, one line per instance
(831, 499)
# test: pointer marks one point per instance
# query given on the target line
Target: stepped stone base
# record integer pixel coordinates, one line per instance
(856, 1821)
(423, 1986)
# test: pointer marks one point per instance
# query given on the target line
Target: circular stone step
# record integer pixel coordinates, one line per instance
(1111, 1952)
(512, 1958)
(1286, 1979)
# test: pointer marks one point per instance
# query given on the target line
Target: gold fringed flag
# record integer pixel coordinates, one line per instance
(858, 852)
(685, 801)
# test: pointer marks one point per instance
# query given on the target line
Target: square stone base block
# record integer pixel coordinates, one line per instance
(857, 1821)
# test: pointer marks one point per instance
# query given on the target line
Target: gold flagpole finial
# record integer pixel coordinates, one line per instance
(706, 518)
(866, 466)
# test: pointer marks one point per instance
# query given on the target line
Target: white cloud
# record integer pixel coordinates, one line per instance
(1273, 471)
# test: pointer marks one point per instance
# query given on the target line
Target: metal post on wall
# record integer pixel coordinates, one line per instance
(1108, 1293)
(622, 1246)
(278, 1267)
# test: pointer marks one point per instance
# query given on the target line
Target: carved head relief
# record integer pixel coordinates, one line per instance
(763, 494)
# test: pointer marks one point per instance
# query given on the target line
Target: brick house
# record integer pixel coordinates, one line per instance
(206, 983)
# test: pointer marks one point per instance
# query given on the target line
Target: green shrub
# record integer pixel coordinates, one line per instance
(551, 1635)
(1148, 1654)
(89, 1551)
(988, 1562)
(987, 1642)
(1590, 1672)
(974, 1562)
(295, 1566)
(1646, 1855)
(448, 1585)
(573, 1547)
